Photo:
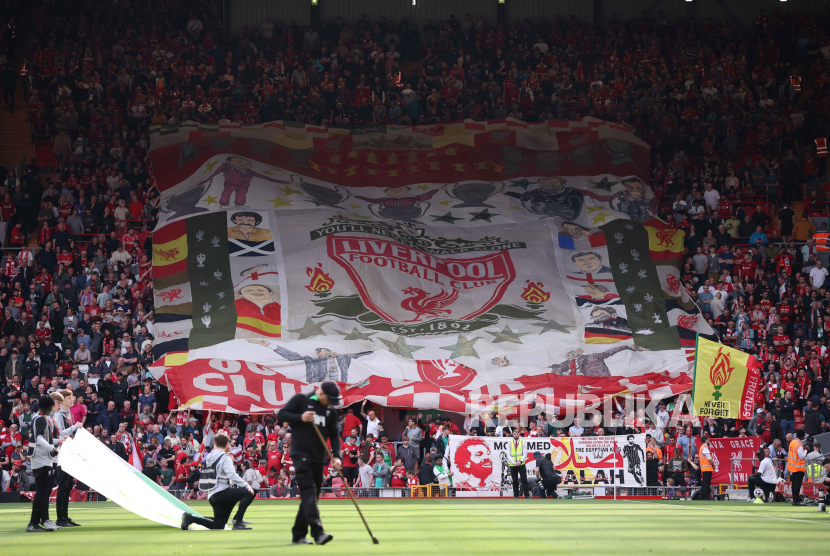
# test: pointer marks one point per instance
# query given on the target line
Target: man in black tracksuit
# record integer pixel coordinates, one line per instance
(302, 412)
(546, 472)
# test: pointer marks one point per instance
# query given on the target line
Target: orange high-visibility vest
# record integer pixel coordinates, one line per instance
(822, 240)
(794, 463)
(821, 147)
(705, 464)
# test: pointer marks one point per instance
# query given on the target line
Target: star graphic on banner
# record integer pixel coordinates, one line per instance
(485, 215)
(360, 216)
(356, 334)
(280, 202)
(514, 207)
(523, 183)
(551, 325)
(462, 348)
(268, 172)
(507, 335)
(600, 217)
(287, 190)
(604, 183)
(445, 203)
(354, 206)
(400, 347)
(211, 200)
(424, 187)
(310, 329)
(210, 166)
(448, 218)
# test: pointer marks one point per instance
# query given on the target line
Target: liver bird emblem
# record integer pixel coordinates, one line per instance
(422, 303)
(167, 255)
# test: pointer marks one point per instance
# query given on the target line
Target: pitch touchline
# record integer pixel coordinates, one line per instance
(725, 511)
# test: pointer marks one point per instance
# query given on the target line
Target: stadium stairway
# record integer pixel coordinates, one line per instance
(15, 141)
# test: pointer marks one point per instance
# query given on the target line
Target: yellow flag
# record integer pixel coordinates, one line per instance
(665, 243)
(725, 382)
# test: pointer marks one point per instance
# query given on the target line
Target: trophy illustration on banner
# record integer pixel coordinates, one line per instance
(201, 258)
(206, 321)
(200, 235)
(215, 241)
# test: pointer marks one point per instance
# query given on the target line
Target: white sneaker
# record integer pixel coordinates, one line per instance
(50, 525)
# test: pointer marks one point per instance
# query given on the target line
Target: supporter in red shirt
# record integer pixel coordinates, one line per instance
(780, 341)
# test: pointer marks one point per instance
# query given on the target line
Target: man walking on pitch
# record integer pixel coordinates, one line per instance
(303, 412)
(516, 459)
(66, 428)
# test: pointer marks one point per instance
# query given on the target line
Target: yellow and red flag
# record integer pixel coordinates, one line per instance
(725, 381)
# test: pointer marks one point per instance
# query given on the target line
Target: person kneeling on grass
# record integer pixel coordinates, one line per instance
(762, 484)
(225, 489)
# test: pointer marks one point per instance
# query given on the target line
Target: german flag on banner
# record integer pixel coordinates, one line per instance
(605, 336)
(170, 249)
(725, 381)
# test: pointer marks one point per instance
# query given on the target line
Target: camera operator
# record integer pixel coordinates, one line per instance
(547, 474)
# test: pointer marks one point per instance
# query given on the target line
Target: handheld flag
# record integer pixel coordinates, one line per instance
(725, 381)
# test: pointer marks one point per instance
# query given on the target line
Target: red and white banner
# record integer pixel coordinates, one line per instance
(742, 450)
(236, 386)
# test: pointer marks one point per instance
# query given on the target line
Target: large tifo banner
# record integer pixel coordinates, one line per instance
(480, 464)
(742, 451)
(725, 381)
(91, 462)
(441, 267)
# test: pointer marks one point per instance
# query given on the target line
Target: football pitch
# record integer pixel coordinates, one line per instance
(448, 526)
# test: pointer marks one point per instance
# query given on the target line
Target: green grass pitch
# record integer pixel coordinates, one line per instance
(450, 526)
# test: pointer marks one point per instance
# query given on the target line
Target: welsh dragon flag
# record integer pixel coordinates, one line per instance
(447, 266)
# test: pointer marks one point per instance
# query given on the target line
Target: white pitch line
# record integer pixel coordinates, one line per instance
(726, 511)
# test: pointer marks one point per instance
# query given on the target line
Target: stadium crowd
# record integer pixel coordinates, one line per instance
(737, 123)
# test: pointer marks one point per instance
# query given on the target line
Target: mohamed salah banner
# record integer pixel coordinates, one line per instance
(725, 381)
(480, 463)
(430, 266)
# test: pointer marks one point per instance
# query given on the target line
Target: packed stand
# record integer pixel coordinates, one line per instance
(736, 124)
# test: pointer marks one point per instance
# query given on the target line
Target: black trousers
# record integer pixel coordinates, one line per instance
(309, 477)
(797, 478)
(705, 483)
(549, 486)
(517, 471)
(222, 503)
(43, 489)
(755, 481)
(65, 483)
